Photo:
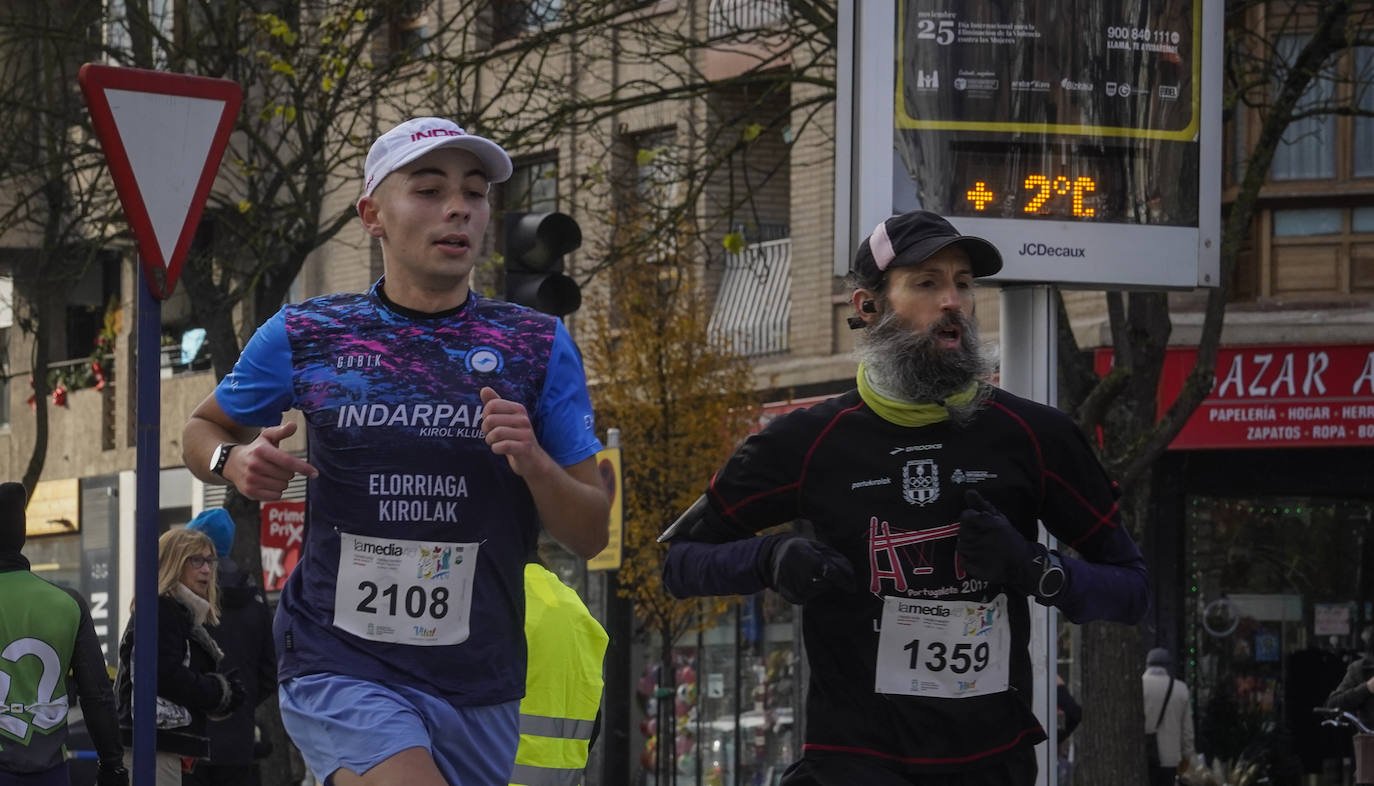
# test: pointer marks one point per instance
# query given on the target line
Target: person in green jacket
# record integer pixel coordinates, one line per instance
(563, 682)
(45, 632)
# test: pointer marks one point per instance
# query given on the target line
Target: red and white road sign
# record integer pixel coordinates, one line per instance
(163, 135)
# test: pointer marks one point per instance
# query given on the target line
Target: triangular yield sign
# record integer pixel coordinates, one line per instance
(163, 135)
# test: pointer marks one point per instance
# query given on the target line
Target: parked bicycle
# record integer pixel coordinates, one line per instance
(1363, 740)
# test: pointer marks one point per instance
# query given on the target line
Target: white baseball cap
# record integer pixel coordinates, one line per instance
(418, 136)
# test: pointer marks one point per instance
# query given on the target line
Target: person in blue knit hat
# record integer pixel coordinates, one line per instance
(216, 523)
(245, 634)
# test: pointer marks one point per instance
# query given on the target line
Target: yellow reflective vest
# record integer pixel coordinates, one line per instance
(562, 683)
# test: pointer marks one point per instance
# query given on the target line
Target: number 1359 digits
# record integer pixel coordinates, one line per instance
(966, 657)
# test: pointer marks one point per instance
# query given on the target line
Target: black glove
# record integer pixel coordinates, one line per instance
(801, 569)
(990, 546)
(231, 696)
(111, 772)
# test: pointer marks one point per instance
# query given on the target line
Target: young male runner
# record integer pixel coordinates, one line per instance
(443, 428)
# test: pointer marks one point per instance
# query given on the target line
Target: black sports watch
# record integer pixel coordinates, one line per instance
(221, 457)
(1051, 579)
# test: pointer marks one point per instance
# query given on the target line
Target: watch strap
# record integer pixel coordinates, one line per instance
(221, 457)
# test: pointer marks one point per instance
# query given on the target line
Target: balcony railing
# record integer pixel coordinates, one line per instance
(753, 309)
(732, 17)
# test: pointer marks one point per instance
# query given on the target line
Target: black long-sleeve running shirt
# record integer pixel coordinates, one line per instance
(888, 497)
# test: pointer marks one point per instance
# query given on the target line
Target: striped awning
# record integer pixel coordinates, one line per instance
(753, 308)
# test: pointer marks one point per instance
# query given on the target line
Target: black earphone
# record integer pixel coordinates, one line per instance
(867, 307)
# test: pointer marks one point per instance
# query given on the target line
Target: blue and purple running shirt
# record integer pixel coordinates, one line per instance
(416, 533)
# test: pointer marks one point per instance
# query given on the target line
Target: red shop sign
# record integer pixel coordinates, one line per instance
(1283, 395)
(283, 534)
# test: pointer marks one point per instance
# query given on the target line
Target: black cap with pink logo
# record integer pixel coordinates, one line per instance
(418, 136)
(910, 239)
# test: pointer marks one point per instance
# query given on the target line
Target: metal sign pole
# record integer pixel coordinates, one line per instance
(1029, 362)
(149, 384)
(164, 136)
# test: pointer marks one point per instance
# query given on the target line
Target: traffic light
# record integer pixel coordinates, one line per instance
(535, 245)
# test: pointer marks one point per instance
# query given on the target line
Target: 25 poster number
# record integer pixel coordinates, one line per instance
(416, 600)
(965, 657)
(941, 32)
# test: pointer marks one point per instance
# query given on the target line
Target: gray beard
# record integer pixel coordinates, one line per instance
(910, 365)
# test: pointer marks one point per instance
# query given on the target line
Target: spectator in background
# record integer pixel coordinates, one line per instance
(1168, 714)
(1355, 693)
(192, 688)
(562, 704)
(46, 630)
(244, 633)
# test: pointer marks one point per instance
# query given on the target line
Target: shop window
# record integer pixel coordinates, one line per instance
(1307, 151)
(118, 40)
(1362, 219)
(734, 707)
(1364, 123)
(1298, 223)
(651, 201)
(184, 348)
(1276, 589)
(532, 188)
(93, 319)
(514, 18)
(408, 30)
(1313, 252)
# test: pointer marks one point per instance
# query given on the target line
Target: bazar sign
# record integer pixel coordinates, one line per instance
(1289, 395)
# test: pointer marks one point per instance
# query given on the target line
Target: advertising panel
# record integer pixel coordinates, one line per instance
(1280, 396)
(608, 466)
(283, 534)
(1082, 138)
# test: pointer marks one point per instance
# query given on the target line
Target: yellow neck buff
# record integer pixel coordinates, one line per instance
(910, 413)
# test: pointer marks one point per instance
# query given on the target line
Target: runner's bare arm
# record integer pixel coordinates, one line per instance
(571, 501)
(257, 467)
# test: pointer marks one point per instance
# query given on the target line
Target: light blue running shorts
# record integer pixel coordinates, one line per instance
(338, 721)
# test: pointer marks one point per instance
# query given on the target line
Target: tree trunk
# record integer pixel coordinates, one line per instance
(42, 356)
(1112, 732)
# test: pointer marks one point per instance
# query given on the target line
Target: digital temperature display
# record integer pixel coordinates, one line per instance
(1065, 182)
(1044, 188)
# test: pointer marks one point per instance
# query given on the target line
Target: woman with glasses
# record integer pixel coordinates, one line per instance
(190, 686)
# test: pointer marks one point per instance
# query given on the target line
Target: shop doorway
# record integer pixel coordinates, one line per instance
(1278, 591)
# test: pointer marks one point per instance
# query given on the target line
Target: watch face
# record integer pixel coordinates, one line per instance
(1051, 581)
(220, 457)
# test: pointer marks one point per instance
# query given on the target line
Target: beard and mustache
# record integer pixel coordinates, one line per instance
(911, 365)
